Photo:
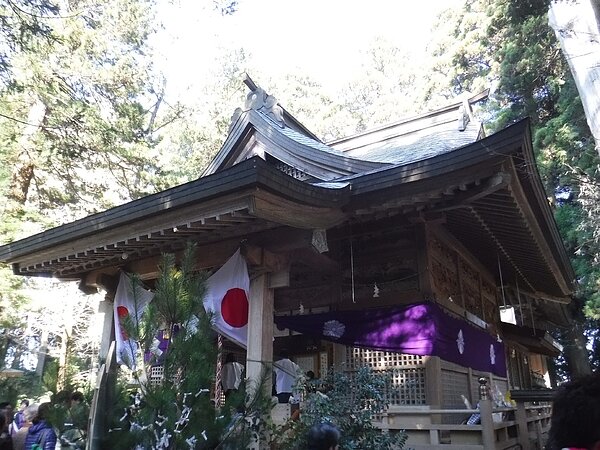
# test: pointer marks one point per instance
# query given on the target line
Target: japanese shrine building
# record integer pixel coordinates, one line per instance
(428, 211)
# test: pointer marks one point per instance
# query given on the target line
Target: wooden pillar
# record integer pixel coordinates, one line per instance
(339, 356)
(521, 418)
(433, 382)
(472, 400)
(260, 331)
(105, 309)
(433, 386)
(109, 283)
(425, 285)
(259, 355)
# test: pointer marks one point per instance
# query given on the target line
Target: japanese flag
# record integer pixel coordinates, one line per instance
(227, 299)
(128, 305)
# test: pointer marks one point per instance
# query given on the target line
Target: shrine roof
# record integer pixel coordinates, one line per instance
(255, 132)
(417, 138)
(418, 145)
(271, 172)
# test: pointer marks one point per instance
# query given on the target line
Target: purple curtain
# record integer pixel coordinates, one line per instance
(417, 329)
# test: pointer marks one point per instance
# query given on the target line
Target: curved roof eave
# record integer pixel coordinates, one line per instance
(290, 147)
(253, 173)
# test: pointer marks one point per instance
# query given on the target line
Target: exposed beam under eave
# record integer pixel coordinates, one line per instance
(500, 247)
(539, 237)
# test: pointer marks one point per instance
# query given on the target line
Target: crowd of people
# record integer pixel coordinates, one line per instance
(63, 421)
(574, 424)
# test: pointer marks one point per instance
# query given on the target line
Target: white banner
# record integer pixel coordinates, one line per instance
(128, 305)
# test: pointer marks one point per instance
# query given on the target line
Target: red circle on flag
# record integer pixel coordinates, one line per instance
(122, 311)
(234, 308)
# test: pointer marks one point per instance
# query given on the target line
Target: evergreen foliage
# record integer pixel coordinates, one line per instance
(80, 104)
(180, 412)
(22, 24)
(14, 388)
(351, 403)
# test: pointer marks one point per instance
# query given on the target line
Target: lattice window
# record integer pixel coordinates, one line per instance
(358, 357)
(157, 375)
(408, 387)
(407, 373)
(454, 384)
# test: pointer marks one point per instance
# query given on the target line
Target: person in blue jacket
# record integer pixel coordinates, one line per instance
(19, 419)
(41, 432)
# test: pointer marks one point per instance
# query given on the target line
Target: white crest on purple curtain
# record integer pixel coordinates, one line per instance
(492, 354)
(334, 329)
(460, 342)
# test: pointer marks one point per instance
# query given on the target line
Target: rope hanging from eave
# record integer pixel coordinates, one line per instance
(352, 265)
(519, 298)
(501, 281)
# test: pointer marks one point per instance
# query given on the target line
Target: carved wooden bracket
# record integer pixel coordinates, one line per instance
(263, 260)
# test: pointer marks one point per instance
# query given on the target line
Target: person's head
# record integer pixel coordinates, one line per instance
(62, 398)
(24, 404)
(323, 436)
(43, 412)
(30, 412)
(310, 375)
(6, 410)
(230, 358)
(576, 415)
(76, 398)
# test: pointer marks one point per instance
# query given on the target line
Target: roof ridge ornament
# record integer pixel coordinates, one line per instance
(465, 113)
(259, 100)
(463, 117)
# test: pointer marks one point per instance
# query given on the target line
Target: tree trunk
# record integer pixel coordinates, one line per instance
(24, 167)
(16, 362)
(575, 352)
(596, 9)
(63, 361)
(39, 370)
(4, 341)
(577, 29)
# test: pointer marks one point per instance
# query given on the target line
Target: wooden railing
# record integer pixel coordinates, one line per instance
(524, 427)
